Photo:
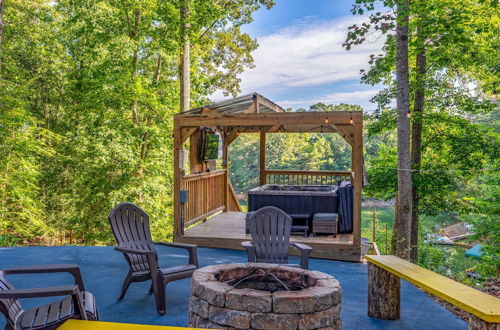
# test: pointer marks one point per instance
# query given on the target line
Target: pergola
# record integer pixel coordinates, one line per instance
(207, 191)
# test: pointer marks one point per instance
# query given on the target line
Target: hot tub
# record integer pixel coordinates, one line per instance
(295, 199)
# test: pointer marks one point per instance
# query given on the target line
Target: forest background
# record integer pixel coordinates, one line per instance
(88, 90)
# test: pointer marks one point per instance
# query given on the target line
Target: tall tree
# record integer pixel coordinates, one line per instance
(184, 56)
(451, 46)
(416, 136)
(402, 222)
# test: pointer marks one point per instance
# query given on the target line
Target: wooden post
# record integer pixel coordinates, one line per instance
(374, 224)
(357, 168)
(256, 103)
(225, 165)
(475, 323)
(177, 180)
(194, 148)
(383, 293)
(184, 57)
(262, 158)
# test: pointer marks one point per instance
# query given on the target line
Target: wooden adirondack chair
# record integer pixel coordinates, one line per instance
(270, 228)
(130, 226)
(78, 303)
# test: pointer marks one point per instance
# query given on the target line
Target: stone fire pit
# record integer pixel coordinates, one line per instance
(264, 296)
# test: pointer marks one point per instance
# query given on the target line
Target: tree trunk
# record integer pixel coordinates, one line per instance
(184, 77)
(383, 293)
(416, 149)
(135, 35)
(1, 32)
(402, 225)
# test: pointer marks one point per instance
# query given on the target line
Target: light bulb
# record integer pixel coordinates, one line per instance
(408, 114)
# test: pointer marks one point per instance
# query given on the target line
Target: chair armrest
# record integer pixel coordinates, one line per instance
(72, 269)
(149, 254)
(302, 247)
(305, 250)
(176, 245)
(133, 251)
(191, 248)
(247, 245)
(250, 251)
(39, 292)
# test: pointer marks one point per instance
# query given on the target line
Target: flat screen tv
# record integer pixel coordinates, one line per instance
(211, 147)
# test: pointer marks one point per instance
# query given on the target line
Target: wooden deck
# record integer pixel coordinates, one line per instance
(227, 230)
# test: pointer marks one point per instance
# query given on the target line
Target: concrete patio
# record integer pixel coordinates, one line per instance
(104, 269)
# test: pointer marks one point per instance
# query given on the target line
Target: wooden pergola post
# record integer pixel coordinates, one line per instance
(262, 158)
(357, 169)
(225, 165)
(177, 179)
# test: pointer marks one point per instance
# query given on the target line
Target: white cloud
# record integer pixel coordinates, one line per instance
(307, 54)
(357, 97)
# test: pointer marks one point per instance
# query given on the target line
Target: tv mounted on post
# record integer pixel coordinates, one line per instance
(210, 150)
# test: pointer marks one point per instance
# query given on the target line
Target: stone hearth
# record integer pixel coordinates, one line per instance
(264, 296)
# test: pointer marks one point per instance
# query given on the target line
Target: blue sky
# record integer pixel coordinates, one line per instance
(300, 60)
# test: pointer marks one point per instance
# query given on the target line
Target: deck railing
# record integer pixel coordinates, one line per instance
(301, 178)
(205, 195)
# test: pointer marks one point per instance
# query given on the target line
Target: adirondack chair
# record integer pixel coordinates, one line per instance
(270, 228)
(78, 303)
(130, 225)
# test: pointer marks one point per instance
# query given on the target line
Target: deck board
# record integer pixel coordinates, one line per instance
(227, 230)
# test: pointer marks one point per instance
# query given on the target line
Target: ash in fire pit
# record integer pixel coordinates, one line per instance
(264, 296)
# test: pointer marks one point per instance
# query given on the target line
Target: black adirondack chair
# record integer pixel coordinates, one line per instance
(270, 228)
(78, 303)
(130, 226)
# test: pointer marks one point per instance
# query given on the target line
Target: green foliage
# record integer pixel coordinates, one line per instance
(87, 94)
(459, 39)
(485, 220)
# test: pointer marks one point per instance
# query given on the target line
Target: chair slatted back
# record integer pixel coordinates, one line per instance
(270, 228)
(11, 308)
(130, 225)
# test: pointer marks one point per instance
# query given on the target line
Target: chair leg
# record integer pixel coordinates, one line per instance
(159, 293)
(126, 284)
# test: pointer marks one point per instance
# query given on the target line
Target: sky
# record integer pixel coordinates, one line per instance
(300, 60)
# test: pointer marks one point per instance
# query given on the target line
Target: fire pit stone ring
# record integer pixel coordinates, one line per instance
(263, 296)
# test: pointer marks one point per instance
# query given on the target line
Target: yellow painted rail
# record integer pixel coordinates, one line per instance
(97, 325)
(478, 303)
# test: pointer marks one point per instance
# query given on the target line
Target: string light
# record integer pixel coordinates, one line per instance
(408, 114)
(350, 118)
(444, 171)
(326, 121)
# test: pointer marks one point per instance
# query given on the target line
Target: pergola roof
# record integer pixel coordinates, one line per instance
(240, 104)
(254, 113)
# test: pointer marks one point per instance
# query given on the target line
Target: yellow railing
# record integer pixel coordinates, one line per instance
(97, 325)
